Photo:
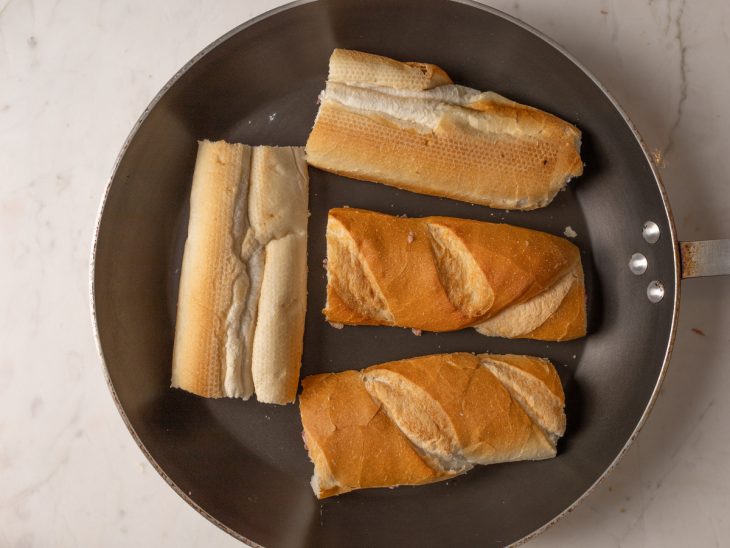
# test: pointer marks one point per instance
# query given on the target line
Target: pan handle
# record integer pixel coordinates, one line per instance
(705, 258)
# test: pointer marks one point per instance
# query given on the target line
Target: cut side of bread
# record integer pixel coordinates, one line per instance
(428, 419)
(242, 297)
(443, 274)
(407, 125)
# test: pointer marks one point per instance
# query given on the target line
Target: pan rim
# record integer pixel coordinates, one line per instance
(471, 3)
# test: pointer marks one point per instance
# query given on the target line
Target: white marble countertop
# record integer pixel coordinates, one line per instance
(74, 77)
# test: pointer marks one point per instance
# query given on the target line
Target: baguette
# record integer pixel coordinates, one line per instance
(443, 274)
(407, 125)
(427, 419)
(242, 298)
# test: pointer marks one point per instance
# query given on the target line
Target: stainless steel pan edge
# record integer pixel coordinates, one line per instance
(186, 67)
(673, 236)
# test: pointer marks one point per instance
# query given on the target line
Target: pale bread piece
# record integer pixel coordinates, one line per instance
(443, 274)
(279, 192)
(278, 212)
(277, 345)
(213, 280)
(427, 419)
(356, 67)
(433, 137)
(246, 239)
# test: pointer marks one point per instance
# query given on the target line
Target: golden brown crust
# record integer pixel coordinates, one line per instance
(359, 446)
(426, 419)
(488, 427)
(483, 149)
(570, 319)
(540, 368)
(443, 274)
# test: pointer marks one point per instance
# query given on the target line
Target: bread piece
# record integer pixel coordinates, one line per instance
(427, 419)
(406, 125)
(277, 345)
(443, 274)
(242, 298)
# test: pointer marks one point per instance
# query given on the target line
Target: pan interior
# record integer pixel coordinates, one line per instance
(244, 462)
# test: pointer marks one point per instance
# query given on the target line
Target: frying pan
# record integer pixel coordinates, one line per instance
(243, 464)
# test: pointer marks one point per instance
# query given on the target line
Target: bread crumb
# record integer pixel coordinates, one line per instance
(569, 232)
(337, 325)
(324, 263)
(573, 356)
(416, 332)
(657, 158)
(272, 116)
(411, 237)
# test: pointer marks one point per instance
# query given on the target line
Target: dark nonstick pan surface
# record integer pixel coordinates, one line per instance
(243, 464)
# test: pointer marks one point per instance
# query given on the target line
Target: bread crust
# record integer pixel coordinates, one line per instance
(433, 137)
(210, 268)
(444, 274)
(427, 419)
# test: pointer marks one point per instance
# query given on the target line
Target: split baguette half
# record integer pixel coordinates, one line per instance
(427, 419)
(407, 125)
(243, 288)
(444, 274)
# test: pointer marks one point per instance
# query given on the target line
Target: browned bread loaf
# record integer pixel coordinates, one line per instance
(443, 274)
(407, 125)
(427, 419)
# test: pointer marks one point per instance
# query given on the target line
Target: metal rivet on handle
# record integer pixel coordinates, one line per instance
(655, 291)
(638, 264)
(651, 232)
